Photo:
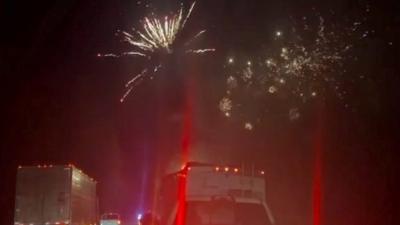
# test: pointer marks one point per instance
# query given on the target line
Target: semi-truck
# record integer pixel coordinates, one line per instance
(55, 195)
(208, 194)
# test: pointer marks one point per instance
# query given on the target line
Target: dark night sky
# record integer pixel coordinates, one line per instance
(61, 105)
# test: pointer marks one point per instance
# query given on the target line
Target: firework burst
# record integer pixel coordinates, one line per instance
(157, 36)
(302, 64)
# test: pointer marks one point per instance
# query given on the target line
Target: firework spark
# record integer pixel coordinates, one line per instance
(225, 105)
(157, 36)
(248, 126)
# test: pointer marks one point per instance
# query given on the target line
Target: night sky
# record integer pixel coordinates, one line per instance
(61, 105)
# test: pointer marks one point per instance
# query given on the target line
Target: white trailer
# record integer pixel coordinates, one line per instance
(55, 195)
(205, 194)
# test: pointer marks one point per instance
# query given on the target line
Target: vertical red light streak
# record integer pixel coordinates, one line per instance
(317, 188)
(317, 174)
(181, 213)
(186, 142)
(186, 138)
(187, 131)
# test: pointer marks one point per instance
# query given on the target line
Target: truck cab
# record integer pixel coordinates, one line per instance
(205, 194)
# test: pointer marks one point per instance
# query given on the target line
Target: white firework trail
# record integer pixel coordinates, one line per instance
(188, 14)
(201, 51)
(131, 83)
(195, 37)
(158, 35)
(113, 55)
